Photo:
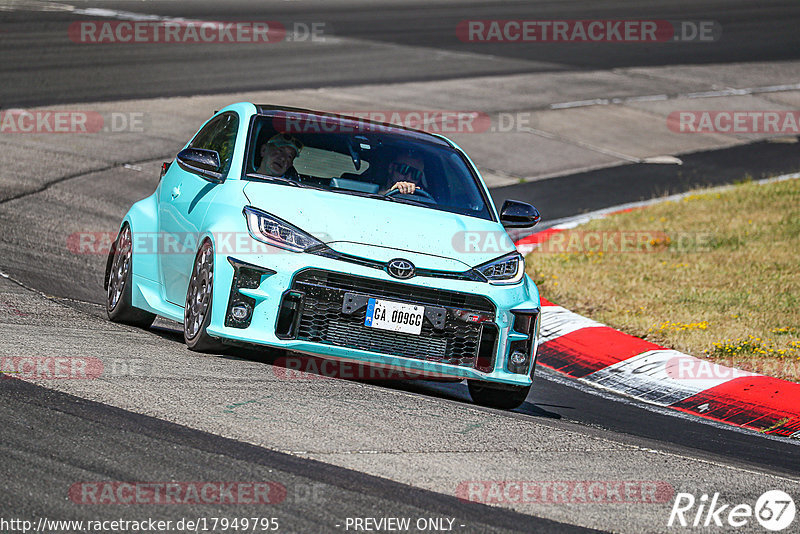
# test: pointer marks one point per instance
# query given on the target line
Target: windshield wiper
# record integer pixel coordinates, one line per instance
(404, 200)
(280, 180)
(380, 196)
(353, 192)
(376, 196)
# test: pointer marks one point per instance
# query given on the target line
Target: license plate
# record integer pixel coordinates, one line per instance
(394, 316)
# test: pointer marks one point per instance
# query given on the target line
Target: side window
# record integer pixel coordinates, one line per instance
(219, 135)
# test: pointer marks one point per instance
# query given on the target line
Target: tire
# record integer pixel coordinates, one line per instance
(199, 297)
(507, 398)
(119, 284)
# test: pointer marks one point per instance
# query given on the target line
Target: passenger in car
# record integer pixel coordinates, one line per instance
(278, 155)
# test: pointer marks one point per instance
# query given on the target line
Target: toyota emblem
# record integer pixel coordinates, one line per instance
(400, 268)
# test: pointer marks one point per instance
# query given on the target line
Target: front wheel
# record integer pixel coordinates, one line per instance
(507, 398)
(119, 284)
(199, 296)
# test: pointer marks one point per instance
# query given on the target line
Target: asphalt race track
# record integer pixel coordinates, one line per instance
(404, 41)
(340, 448)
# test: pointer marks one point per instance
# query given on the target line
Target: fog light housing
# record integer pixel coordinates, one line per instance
(520, 353)
(518, 361)
(518, 357)
(240, 311)
(240, 307)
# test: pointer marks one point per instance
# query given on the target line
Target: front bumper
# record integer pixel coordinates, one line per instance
(297, 302)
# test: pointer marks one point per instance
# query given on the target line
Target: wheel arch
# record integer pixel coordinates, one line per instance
(223, 276)
(142, 218)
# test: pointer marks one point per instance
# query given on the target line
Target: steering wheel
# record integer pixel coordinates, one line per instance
(418, 191)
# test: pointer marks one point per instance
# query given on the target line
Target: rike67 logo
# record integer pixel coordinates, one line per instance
(774, 510)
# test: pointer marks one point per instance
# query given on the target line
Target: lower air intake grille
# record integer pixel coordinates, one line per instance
(455, 342)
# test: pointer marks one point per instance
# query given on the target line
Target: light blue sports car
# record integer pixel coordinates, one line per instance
(337, 237)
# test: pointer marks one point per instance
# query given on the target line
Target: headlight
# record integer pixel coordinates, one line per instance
(507, 269)
(277, 232)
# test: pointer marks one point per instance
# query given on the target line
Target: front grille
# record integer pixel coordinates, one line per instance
(454, 342)
(364, 338)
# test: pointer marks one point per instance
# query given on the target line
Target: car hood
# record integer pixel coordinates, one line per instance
(380, 230)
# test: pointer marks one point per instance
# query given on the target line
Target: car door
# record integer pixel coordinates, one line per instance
(183, 202)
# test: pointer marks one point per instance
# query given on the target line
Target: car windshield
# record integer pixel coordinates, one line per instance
(364, 159)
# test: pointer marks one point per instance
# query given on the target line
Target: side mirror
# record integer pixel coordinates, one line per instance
(516, 214)
(204, 163)
(164, 168)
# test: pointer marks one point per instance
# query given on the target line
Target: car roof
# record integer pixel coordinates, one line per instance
(409, 133)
